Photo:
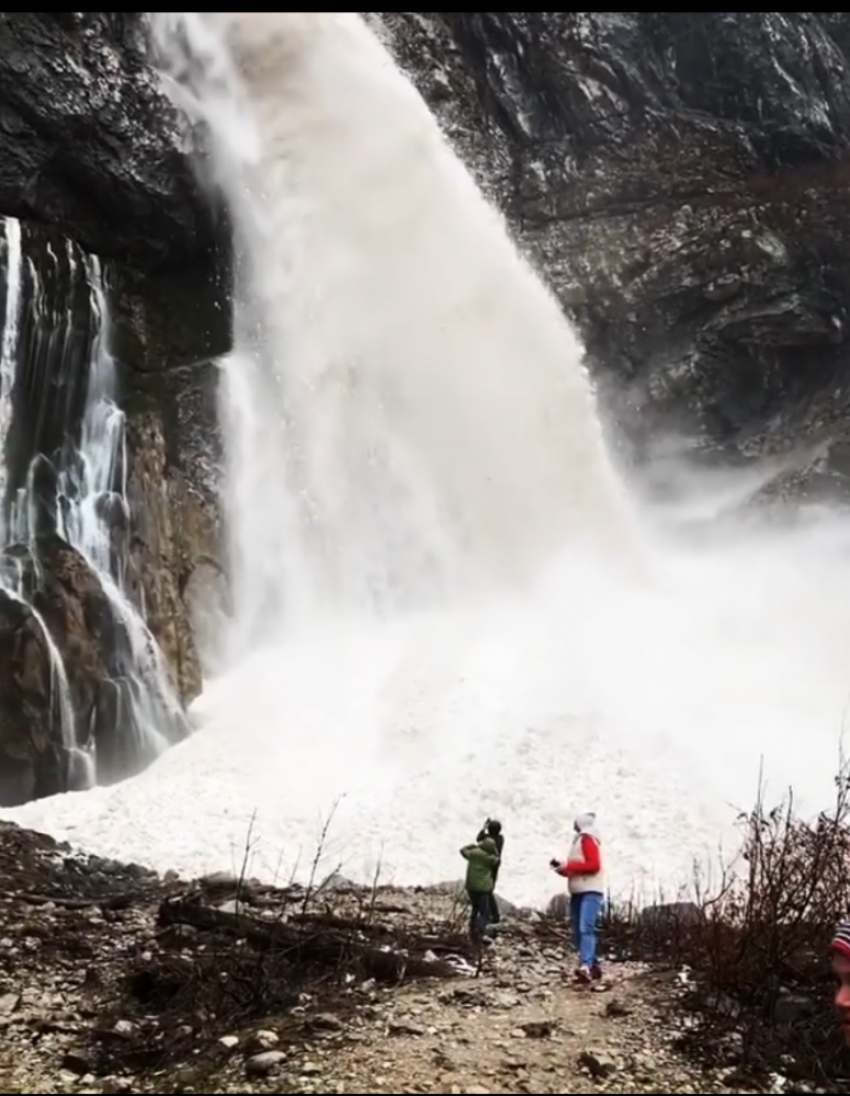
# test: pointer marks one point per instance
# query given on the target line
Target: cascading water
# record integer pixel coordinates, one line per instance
(79, 493)
(91, 502)
(8, 347)
(80, 767)
(443, 607)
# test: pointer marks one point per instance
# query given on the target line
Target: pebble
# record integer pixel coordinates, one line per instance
(262, 1040)
(260, 1065)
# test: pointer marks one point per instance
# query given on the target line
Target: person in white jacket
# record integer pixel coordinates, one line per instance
(583, 871)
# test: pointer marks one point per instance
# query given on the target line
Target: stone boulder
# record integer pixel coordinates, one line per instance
(30, 762)
(92, 641)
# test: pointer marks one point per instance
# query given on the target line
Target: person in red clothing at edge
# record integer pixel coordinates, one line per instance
(583, 872)
(840, 952)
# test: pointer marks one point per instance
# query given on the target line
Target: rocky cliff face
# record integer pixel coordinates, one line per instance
(91, 145)
(88, 510)
(92, 150)
(681, 179)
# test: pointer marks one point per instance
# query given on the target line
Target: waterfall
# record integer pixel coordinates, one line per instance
(446, 605)
(80, 766)
(369, 496)
(92, 498)
(8, 348)
(64, 473)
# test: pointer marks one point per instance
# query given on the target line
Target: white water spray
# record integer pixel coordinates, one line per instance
(437, 616)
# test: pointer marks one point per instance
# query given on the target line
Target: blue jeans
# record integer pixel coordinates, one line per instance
(584, 916)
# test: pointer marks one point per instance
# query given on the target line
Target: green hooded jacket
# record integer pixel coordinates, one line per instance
(482, 858)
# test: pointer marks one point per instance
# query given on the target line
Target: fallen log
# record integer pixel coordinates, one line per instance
(345, 924)
(105, 901)
(327, 946)
(455, 942)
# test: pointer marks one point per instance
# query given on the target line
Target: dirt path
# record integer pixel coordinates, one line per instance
(513, 1031)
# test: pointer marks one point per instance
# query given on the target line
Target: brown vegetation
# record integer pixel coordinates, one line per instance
(754, 950)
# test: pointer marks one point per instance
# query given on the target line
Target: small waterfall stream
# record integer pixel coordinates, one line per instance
(64, 475)
(81, 768)
(9, 345)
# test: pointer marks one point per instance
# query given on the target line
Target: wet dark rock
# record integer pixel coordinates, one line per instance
(90, 142)
(92, 146)
(29, 755)
(90, 638)
(176, 565)
(163, 536)
(681, 179)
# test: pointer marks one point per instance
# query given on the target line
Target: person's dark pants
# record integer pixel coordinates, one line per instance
(495, 916)
(479, 913)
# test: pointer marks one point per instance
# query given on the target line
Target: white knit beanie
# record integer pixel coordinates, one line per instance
(586, 822)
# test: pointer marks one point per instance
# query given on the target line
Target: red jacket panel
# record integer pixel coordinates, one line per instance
(591, 861)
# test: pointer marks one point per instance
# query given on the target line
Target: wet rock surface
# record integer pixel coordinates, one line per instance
(90, 143)
(160, 537)
(98, 994)
(177, 554)
(28, 750)
(88, 637)
(680, 178)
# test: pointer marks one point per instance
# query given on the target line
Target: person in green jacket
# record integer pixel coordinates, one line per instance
(482, 861)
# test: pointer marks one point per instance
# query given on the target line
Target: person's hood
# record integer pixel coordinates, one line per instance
(489, 845)
(586, 823)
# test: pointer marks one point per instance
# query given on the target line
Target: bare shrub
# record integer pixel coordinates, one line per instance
(755, 945)
(233, 951)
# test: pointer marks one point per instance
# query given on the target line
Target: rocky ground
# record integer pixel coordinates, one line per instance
(115, 980)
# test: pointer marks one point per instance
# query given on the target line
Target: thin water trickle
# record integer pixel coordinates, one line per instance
(445, 605)
(91, 497)
(8, 347)
(11, 577)
(90, 502)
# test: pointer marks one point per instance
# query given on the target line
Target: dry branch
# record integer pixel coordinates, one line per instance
(757, 946)
(328, 945)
